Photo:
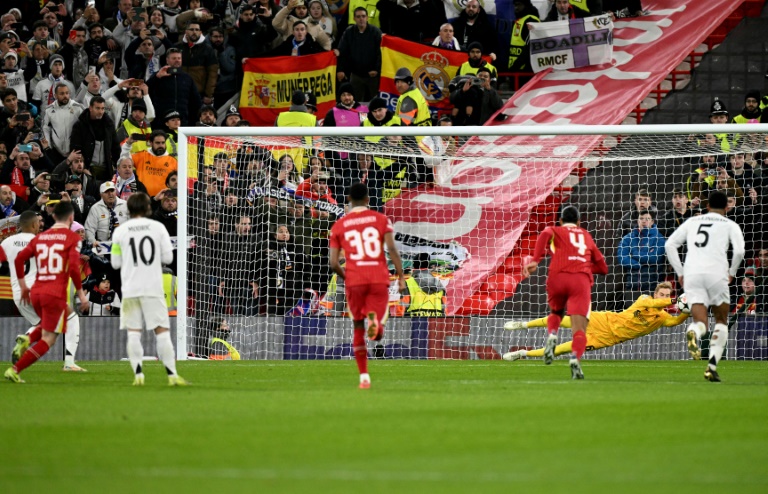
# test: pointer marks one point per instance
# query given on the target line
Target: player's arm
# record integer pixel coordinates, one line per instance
(74, 275)
(531, 263)
(166, 248)
(116, 254)
(675, 320)
(737, 243)
(335, 266)
(21, 258)
(599, 266)
(646, 302)
(394, 254)
(3, 257)
(672, 245)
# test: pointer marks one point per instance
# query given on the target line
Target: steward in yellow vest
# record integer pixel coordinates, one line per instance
(379, 116)
(411, 107)
(475, 62)
(519, 52)
(425, 292)
(135, 124)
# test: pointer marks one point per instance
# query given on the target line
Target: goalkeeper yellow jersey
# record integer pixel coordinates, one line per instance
(643, 317)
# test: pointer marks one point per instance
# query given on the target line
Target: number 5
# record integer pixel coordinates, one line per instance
(701, 231)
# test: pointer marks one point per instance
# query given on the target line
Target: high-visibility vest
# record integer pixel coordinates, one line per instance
(582, 5)
(727, 141)
(393, 121)
(130, 128)
(169, 290)
(517, 43)
(466, 68)
(422, 116)
(423, 304)
(296, 119)
(369, 6)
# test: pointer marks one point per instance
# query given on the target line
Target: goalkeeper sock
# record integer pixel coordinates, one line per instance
(699, 328)
(31, 355)
(579, 344)
(553, 323)
(71, 338)
(165, 353)
(135, 351)
(717, 345)
(35, 334)
(360, 350)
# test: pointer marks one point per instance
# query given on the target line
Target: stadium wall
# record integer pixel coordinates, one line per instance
(461, 338)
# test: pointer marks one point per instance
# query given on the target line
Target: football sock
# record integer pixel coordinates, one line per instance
(553, 323)
(543, 322)
(31, 355)
(717, 344)
(561, 349)
(135, 351)
(365, 377)
(71, 338)
(166, 354)
(360, 350)
(579, 343)
(35, 334)
(699, 328)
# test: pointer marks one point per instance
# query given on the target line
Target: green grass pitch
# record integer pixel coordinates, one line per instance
(425, 426)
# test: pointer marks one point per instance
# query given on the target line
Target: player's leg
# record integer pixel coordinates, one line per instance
(717, 341)
(156, 316)
(33, 334)
(698, 297)
(557, 296)
(71, 341)
(377, 310)
(536, 323)
(560, 349)
(356, 296)
(579, 305)
(132, 322)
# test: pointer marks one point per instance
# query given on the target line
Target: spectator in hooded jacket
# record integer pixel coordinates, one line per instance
(641, 254)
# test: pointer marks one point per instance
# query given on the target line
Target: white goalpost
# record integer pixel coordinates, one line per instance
(255, 206)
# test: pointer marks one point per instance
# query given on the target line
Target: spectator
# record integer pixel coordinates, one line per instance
(414, 20)
(672, 218)
(37, 159)
(75, 57)
(475, 104)
(74, 167)
(207, 117)
(752, 298)
(721, 143)
(125, 179)
(743, 176)
(360, 56)
(58, 122)
(80, 201)
(296, 10)
(445, 38)
(11, 106)
(97, 43)
(10, 204)
(40, 36)
(206, 274)
(168, 215)
(266, 11)
(153, 164)
(252, 37)
(347, 112)
(563, 10)
(519, 51)
(106, 215)
(18, 129)
(475, 62)
(157, 22)
(122, 15)
(90, 87)
(316, 189)
(16, 172)
(284, 175)
(197, 13)
(751, 113)
(641, 254)
(94, 136)
(412, 108)
(238, 285)
(278, 271)
(136, 126)
(120, 99)
(298, 44)
(379, 116)
(364, 170)
(104, 300)
(13, 75)
(226, 84)
(40, 191)
(320, 16)
(729, 187)
(473, 25)
(44, 96)
(142, 56)
(297, 114)
(232, 118)
(172, 89)
(200, 61)
(172, 124)
(642, 202)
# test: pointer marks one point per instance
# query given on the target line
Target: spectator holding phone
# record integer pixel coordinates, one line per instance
(40, 35)
(143, 54)
(90, 87)
(122, 12)
(172, 89)
(40, 192)
(125, 179)
(74, 55)
(19, 126)
(58, 121)
(82, 203)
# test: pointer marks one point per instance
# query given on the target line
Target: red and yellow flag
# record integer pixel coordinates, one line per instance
(268, 84)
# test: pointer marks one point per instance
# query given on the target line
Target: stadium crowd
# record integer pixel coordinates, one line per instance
(93, 94)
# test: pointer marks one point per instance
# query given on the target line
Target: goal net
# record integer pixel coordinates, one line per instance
(466, 205)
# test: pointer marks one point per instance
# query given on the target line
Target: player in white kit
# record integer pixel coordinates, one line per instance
(706, 274)
(140, 247)
(30, 224)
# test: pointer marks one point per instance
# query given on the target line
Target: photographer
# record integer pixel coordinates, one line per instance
(172, 89)
(474, 99)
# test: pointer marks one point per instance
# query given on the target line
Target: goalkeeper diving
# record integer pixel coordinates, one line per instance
(605, 329)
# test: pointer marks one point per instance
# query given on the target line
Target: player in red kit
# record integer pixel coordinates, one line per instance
(575, 258)
(57, 253)
(362, 234)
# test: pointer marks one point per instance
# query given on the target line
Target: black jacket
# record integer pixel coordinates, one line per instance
(284, 49)
(482, 30)
(175, 92)
(84, 138)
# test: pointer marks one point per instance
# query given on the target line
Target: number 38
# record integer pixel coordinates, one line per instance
(365, 244)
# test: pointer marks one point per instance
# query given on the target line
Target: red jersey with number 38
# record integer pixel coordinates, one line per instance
(57, 252)
(361, 234)
(573, 251)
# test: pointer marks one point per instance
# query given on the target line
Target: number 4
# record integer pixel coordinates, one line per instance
(578, 242)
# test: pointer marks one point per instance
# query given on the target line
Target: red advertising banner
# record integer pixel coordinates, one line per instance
(486, 203)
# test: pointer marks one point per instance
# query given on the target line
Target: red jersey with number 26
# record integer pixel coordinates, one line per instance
(361, 234)
(573, 251)
(57, 252)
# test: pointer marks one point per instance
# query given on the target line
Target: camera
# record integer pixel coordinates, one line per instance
(47, 176)
(459, 81)
(22, 117)
(139, 137)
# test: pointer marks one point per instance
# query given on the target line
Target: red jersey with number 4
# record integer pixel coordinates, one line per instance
(361, 234)
(57, 252)
(572, 249)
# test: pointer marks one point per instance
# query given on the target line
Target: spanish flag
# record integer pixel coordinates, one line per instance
(432, 69)
(269, 83)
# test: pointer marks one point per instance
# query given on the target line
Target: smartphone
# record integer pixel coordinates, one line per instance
(35, 137)
(92, 69)
(138, 10)
(72, 34)
(54, 196)
(25, 148)
(136, 83)
(22, 117)
(16, 44)
(114, 55)
(173, 70)
(153, 31)
(139, 137)
(47, 176)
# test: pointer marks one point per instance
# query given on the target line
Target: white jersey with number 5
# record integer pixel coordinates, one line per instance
(707, 238)
(140, 247)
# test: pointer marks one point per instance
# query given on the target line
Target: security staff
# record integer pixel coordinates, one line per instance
(519, 52)
(411, 107)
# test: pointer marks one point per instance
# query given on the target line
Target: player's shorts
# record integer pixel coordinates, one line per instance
(571, 291)
(52, 312)
(27, 311)
(144, 313)
(707, 289)
(362, 299)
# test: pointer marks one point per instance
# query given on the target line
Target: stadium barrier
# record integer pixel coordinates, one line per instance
(321, 338)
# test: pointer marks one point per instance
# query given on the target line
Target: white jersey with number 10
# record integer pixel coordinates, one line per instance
(707, 237)
(141, 246)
